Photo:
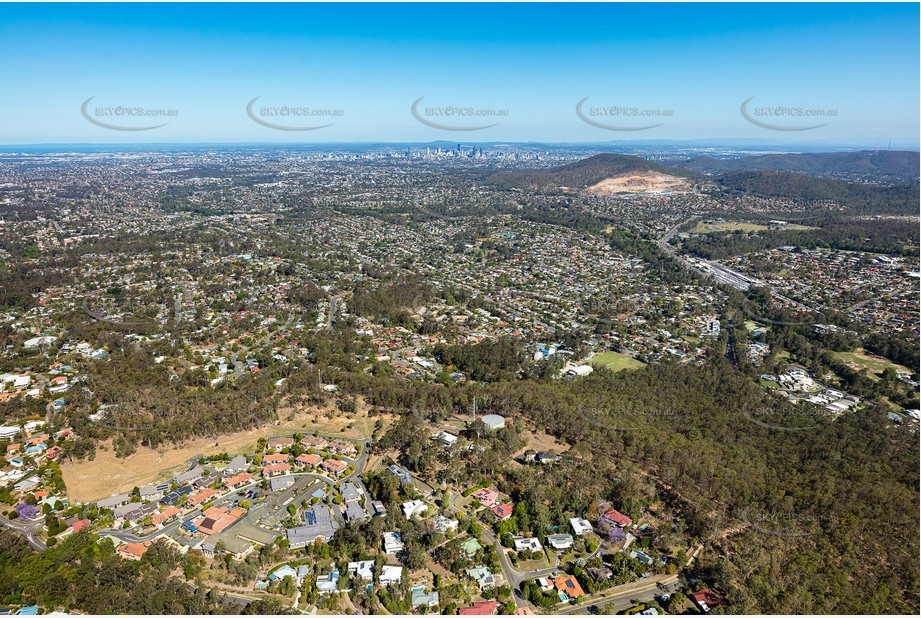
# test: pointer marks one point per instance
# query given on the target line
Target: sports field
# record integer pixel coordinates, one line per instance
(615, 361)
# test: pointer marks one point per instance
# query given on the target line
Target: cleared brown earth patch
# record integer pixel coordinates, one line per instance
(539, 441)
(106, 474)
(639, 182)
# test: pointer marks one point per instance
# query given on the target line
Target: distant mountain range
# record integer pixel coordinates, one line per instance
(881, 166)
(582, 174)
(597, 171)
(901, 199)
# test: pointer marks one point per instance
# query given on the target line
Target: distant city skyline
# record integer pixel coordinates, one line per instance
(836, 74)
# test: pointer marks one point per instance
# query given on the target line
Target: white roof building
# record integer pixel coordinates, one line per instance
(393, 543)
(527, 544)
(363, 569)
(580, 526)
(444, 525)
(559, 541)
(449, 439)
(9, 431)
(390, 575)
(413, 508)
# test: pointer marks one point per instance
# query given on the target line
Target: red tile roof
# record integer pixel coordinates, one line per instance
(615, 516)
(569, 585)
(502, 511)
(479, 608)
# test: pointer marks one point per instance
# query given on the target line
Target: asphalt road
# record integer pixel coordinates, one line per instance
(630, 594)
(28, 530)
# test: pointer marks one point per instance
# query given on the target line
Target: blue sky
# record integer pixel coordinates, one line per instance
(692, 64)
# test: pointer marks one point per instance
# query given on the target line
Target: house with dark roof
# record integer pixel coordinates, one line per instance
(113, 501)
(406, 479)
(189, 476)
(319, 523)
(174, 496)
(355, 512)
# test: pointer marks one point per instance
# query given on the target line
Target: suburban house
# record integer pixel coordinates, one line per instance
(502, 511)
(354, 512)
(479, 608)
(133, 551)
(641, 557)
(706, 599)
(487, 497)
(216, 519)
(559, 541)
(279, 443)
(276, 470)
(275, 458)
(113, 501)
(601, 573)
(153, 492)
(319, 524)
(615, 517)
(335, 467)
(531, 544)
(236, 465)
(201, 497)
(190, 476)
(406, 479)
(350, 492)
(568, 587)
(308, 459)
(175, 496)
(444, 525)
(390, 575)
(393, 543)
(314, 442)
(125, 512)
(282, 572)
(448, 439)
(363, 569)
(343, 447)
(330, 581)
(420, 598)
(580, 526)
(207, 481)
(165, 515)
(413, 508)
(471, 546)
(76, 526)
(238, 480)
(279, 483)
(483, 577)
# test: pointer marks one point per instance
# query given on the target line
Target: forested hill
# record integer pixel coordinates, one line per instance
(835, 501)
(885, 166)
(861, 198)
(81, 573)
(798, 512)
(580, 174)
